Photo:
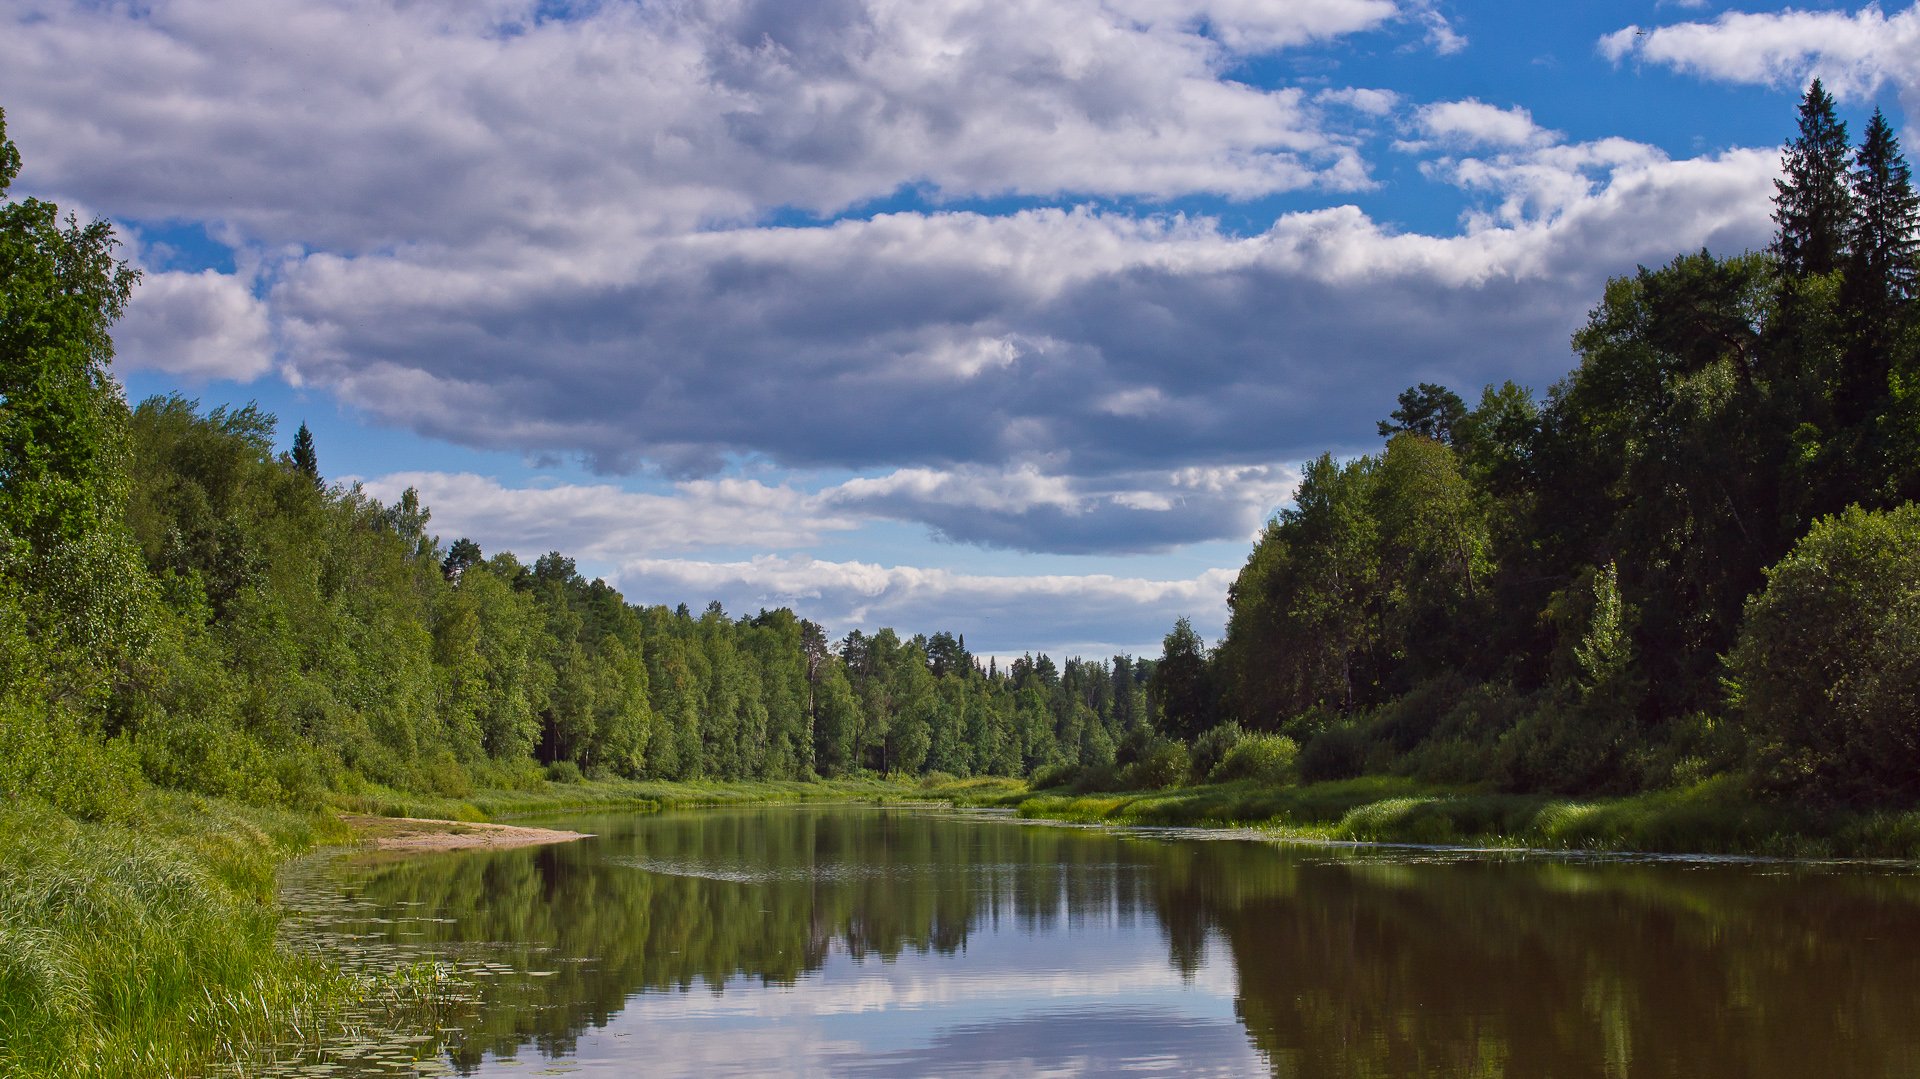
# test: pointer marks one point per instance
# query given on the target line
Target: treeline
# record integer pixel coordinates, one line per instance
(1695, 556)
(183, 605)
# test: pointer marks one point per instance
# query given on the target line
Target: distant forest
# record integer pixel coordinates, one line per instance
(1697, 556)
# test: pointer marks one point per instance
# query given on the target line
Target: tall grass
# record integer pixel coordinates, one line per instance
(653, 794)
(149, 950)
(1716, 816)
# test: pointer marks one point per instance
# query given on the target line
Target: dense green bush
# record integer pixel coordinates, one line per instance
(1212, 747)
(1164, 764)
(1265, 758)
(1335, 753)
(1827, 670)
(1049, 776)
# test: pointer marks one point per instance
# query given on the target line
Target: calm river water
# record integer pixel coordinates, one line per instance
(857, 941)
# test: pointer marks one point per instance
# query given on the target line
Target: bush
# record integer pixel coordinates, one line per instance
(1452, 761)
(1826, 671)
(1049, 776)
(1212, 746)
(1164, 765)
(1336, 753)
(1265, 758)
(563, 772)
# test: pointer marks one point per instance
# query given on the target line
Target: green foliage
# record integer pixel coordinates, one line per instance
(147, 947)
(1181, 689)
(1430, 411)
(1827, 670)
(1336, 753)
(1212, 747)
(1263, 758)
(1812, 204)
(1164, 764)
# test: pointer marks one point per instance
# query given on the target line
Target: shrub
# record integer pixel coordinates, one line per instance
(1450, 761)
(1164, 765)
(1826, 671)
(1336, 753)
(1212, 746)
(1049, 776)
(563, 772)
(1265, 758)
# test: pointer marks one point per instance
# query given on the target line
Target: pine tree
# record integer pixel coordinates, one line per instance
(303, 455)
(1885, 232)
(1811, 203)
(1879, 280)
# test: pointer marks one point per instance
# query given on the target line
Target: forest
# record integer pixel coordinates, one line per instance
(1696, 556)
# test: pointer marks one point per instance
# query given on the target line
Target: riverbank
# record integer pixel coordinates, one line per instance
(1713, 817)
(144, 943)
(414, 835)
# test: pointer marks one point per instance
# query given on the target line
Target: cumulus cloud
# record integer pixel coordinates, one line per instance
(1476, 123)
(1089, 615)
(1087, 344)
(1021, 509)
(443, 123)
(1854, 53)
(1373, 102)
(197, 325)
(1025, 509)
(557, 235)
(603, 523)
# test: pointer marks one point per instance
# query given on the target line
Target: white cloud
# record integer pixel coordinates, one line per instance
(1854, 53)
(603, 523)
(1167, 342)
(197, 325)
(368, 124)
(1372, 102)
(1441, 36)
(1021, 508)
(1476, 123)
(1091, 615)
(1541, 183)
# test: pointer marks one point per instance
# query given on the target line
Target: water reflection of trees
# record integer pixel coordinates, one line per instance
(1345, 967)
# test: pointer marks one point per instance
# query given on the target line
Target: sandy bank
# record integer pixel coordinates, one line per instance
(413, 834)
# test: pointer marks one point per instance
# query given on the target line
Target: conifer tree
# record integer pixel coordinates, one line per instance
(304, 458)
(1812, 205)
(1876, 303)
(1885, 232)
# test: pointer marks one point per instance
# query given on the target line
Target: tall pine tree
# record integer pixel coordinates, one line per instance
(304, 458)
(1885, 233)
(1811, 203)
(1880, 276)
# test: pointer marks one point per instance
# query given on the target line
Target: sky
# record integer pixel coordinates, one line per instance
(1010, 318)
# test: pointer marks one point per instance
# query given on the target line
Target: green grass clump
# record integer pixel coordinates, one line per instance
(149, 949)
(1715, 816)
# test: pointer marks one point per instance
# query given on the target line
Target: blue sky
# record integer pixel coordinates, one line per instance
(1009, 317)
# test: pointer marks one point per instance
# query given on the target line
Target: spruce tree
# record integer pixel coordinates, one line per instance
(303, 455)
(1876, 303)
(1812, 205)
(1885, 231)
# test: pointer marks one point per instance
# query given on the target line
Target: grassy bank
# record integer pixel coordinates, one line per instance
(1714, 817)
(658, 794)
(145, 945)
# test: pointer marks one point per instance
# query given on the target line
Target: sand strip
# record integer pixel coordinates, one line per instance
(409, 834)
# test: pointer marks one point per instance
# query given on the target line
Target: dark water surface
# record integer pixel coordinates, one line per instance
(852, 940)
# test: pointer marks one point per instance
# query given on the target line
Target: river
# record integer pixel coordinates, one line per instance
(864, 940)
